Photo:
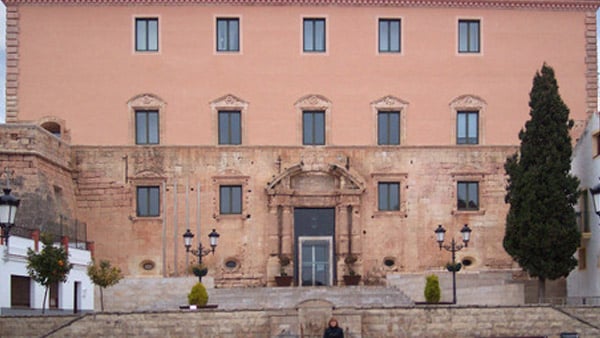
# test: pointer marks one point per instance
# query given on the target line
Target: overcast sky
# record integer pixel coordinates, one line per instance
(3, 59)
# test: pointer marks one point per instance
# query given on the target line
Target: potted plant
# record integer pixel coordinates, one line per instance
(283, 279)
(453, 267)
(199, 270)
(352, 278)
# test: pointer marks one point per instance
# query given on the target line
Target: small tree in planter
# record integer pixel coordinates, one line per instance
(352, 278)
(198, 295)
(432, 289)
(283, 279)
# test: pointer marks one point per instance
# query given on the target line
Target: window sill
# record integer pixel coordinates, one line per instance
(479, 212)
(151, 219)
(231, 216)
(395, 213)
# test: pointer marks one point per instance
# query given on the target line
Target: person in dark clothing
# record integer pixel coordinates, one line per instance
(333, 330)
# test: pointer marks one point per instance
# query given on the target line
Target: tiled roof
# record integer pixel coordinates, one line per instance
(547, 4)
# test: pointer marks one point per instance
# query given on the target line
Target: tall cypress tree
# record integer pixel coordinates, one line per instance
(541, 228)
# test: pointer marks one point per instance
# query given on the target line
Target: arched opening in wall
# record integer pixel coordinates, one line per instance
(53, 128)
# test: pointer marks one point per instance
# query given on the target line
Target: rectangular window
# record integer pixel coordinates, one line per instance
(467, 127)
(582, 212)
(468, 196)
(388, 127)
(20, 291)
(314, 35)
(313, 127)
(230, 199)
(389, 196)
(148, 201)
(146, 127)
(389, 35)
(582, 258)
(228, 34)
(468, 36)
(146, 34)
(230, 127)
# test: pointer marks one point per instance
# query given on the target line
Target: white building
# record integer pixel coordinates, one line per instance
(583, 284)
(20, 294)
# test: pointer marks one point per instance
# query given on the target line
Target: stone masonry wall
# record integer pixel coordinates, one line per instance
(429, 321)
(41, 175)
(189, 178)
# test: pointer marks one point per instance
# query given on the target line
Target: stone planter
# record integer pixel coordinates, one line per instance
(351, 279)
(284, 280)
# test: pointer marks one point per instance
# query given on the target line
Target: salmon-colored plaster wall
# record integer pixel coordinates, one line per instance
(78, 63)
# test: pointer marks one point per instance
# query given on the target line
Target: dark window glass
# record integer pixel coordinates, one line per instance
(313, 127)
(230, 199)
(468, 36)
(148, 201)
(314, 35)
(467, 127)
(146, 34)
(388, 127)
(468, 196)
(230, 127)
(389, 196)
(146, 127)
(389, 35)
(228, 35)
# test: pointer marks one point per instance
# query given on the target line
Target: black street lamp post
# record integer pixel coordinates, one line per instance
(8, 209)
(453, 248)
(201, 251)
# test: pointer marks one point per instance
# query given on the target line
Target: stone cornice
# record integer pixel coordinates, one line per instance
(506, 4)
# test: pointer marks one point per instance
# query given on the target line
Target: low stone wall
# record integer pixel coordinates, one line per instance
(309, 319)
(31, 326)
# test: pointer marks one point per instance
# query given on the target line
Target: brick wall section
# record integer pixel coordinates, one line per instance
(591, 62)
(429, 321)
(12, 62)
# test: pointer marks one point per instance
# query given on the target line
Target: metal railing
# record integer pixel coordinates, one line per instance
(74, 229)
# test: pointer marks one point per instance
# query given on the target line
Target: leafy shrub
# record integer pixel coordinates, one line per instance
(432, 289)
(198, 296)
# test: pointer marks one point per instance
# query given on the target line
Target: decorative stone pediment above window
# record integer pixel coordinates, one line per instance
(313, 102)
(468, 102)
(228, 102)
(146, 101)
(389, 102)
(300, 186)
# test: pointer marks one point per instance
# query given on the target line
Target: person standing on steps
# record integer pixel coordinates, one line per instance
(333, 330)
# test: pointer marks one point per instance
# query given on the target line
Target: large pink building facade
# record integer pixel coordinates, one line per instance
(312, 129)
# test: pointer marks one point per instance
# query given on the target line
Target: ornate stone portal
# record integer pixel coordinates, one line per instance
(315, 185)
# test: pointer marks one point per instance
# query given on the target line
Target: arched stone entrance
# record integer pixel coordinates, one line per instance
(315, 220)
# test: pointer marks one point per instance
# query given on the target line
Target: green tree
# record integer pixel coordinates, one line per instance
(49, 266)
(432, 292)
(541, 229)
(104, 275)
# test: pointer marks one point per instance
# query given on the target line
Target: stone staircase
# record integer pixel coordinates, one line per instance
(163, 294)
(290, 297)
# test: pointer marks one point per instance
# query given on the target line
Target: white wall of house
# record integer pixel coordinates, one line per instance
(13, 262)
(584, 281)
